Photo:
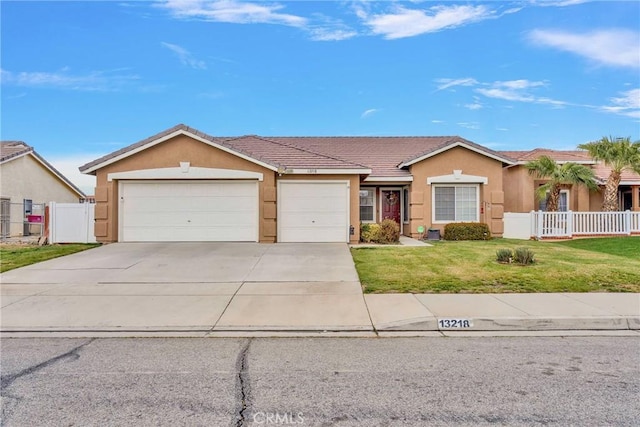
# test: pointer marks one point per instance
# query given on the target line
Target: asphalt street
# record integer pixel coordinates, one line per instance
(587, 381)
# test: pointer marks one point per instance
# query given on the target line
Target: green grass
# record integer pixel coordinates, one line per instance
(585, 265)
(14, 256)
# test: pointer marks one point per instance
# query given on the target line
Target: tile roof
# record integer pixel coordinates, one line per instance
(286, 155)
(557, 155)
(603, 171)
(13, 149)
(382, 155)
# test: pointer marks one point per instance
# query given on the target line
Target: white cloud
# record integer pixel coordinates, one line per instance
(628, 104)
(447, 83)
(68, 166)
(185, 56)
(403, 22)
(518, 90)
(437, 121)
(232, 11)
(474, 106)
(469, 125)
(331, 34)
(369, 112)
(93, 81)
(614, 47)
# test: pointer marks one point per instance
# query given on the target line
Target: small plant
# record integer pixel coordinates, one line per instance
(389, 231)
(523, 256)
(369, 233)
(504, 255)
(467, 231)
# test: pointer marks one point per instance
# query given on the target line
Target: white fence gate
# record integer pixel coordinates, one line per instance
(71, 222)
(568, 224)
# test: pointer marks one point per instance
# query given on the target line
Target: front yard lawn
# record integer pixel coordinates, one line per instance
(14, 256)
(585, 265)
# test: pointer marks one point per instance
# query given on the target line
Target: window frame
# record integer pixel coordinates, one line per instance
(406, 203)
(433, 202)
(374, 205)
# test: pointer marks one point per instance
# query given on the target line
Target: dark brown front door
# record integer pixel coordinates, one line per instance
(391, 205)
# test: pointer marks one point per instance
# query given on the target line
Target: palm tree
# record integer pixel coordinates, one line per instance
(558, 176)
(619, 154)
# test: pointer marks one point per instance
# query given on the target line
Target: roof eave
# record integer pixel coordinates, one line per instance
(454, 145)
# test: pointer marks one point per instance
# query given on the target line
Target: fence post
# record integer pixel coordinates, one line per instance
(540, 224)
(52, 222)
(570, 223)
(627, 222)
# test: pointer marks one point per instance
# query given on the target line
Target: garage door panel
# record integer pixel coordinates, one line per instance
(313, 211)
(189, 211)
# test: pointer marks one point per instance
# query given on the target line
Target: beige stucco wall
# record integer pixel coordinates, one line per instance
(354, 192)
(519, 193)
(169, 154)
(26, 178)
(471, 163)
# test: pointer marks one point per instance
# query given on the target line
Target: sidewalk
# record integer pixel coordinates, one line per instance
(303, 309)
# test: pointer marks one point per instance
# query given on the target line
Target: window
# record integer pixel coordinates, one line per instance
(455, 203)
(5, 217)
(367, 204)
(563, 203)
(405, 205)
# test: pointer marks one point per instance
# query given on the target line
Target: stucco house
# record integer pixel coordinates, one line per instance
(520, 186)
(27, 181)
(185, 185)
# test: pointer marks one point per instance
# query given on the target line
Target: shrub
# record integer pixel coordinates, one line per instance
(523, 256)
(369, 233)
(467, 231)
(389, 231)
(504, 255)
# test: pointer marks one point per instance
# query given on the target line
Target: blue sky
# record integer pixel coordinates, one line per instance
(83, 78)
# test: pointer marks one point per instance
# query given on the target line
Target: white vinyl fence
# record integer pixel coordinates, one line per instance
(568, 224)
(71, 222)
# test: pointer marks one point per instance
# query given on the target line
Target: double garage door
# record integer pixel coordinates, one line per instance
(189, 211)
(227, 211)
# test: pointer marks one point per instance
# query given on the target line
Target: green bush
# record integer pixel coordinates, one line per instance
(504, 255)
(369, 233)
(467, 231)
(389, 231)
(523, 256)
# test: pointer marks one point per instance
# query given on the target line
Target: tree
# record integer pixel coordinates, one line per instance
(558, 176)
(620, 154)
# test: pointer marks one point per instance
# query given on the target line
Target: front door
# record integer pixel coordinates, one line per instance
(391, 205)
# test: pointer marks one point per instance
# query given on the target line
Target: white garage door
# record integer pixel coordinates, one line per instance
(188, 211)
(313, 211)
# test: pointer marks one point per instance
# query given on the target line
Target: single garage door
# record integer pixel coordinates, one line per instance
(313, 211)
(189, 211)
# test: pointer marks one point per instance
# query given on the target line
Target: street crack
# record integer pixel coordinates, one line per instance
(7, 380)
(242, 383)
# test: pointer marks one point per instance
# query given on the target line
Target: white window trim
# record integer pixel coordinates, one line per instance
(375, 205)
(433, 202)
(399, 189)
(406, 209)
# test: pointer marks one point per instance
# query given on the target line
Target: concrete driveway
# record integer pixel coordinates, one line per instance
(188, 287)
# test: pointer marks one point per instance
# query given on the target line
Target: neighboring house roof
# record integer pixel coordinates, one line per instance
(560, 156)
(11, 150)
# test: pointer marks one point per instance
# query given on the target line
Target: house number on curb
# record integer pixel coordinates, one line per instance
(454, 323)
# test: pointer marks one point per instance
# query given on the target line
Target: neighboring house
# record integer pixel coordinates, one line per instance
(26, 182)
(184, 185)
(520, 186)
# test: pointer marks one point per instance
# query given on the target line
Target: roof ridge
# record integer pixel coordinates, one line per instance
(308, 151)
(365, 136)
